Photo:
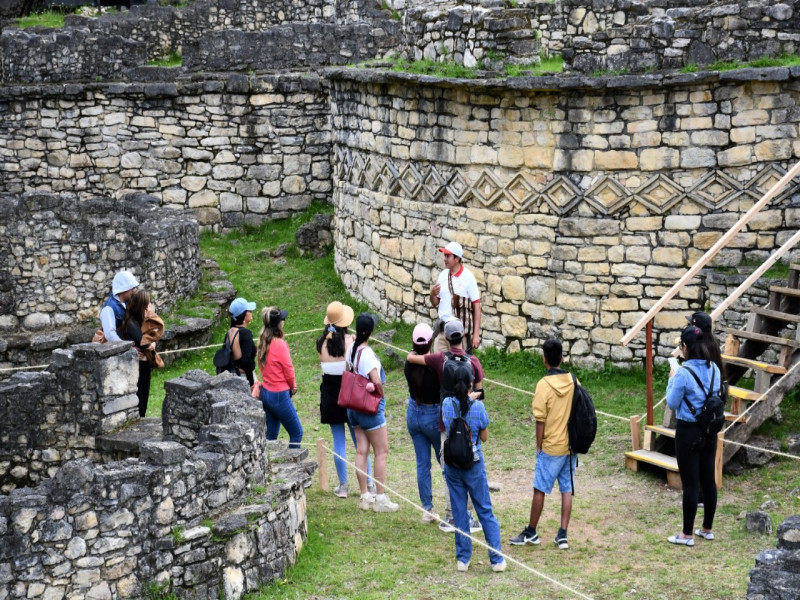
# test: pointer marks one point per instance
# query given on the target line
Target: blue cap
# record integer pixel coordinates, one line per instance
(241, 305)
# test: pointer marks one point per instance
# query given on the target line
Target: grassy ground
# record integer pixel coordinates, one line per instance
(620, 519)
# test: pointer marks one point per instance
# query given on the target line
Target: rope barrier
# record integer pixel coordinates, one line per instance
(766, 450)
(467, 534)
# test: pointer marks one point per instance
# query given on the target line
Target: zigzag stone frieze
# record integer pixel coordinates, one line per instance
(554, 193)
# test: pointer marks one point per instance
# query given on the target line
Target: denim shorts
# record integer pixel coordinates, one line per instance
(551, 468)
(368, 422)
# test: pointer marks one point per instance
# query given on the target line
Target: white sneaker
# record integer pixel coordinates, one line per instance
(462, 567)
(367, 501)
(429, 517)
(499, 567)
(384, 505)
(340, 490)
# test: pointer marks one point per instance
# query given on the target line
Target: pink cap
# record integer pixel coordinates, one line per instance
(422, 333)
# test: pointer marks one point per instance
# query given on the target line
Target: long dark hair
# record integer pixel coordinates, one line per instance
(362, 335)
(135, 309)
(269, 314)
(334, 336)
(461, 390)
(698, 349)
(238, 320)
(712, 349)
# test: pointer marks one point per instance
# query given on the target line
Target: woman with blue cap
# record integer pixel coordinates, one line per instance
(240, 338)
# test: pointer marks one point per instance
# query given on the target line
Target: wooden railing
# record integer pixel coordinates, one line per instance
(647, 320)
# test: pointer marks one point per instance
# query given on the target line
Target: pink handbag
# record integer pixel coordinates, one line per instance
(353, 393)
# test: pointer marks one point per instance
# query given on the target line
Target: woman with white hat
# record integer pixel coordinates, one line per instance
(331, 347)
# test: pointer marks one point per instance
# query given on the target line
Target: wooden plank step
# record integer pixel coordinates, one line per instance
(665, 431)
(777, 315)
(732, 418)
(754, 364)
(794, 267)
(760, 337)
(785, 291)
(665, 461)
(743, 393)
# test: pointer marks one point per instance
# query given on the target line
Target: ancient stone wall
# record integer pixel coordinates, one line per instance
(234, 148)
(577, 208)
(777, 572)
(58, 255)
(655, 34)
(53, 417)
(198, 521)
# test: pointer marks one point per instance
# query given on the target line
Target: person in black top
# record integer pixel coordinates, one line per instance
(422, 417)
(131, 329)
(243, 349)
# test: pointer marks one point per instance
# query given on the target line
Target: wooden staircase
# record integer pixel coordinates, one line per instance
(776, 327)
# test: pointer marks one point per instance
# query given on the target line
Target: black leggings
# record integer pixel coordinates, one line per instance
(696, 463)
(143, 386)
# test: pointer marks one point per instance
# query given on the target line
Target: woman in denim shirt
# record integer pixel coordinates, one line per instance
(471, 481)
(695, 452)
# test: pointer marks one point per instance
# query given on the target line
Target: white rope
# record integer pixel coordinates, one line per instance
(10, 369)
(469, 535)
(766, 450)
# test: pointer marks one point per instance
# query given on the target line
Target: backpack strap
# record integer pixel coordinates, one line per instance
(574, 391)
(702, 388)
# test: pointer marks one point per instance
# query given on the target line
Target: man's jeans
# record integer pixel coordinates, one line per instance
(423, 426)
(280, 410)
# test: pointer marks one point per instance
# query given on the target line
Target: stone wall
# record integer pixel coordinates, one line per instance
(66, 55)
(777, 572)
(198, 521)
(655, 34)
(236, 149)
(59, 254)
(294, 45)
(577, 208)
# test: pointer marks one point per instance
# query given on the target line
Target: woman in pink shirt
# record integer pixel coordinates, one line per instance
(277, 378)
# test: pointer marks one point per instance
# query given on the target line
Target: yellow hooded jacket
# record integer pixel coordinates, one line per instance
(552, 404)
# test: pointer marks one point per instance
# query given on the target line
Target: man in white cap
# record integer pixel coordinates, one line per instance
(122, 287)
(456, 295)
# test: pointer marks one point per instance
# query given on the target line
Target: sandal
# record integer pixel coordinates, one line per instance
(708, 535)
(677, 539)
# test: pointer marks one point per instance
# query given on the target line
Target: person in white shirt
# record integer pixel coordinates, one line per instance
(113, 311)
(456, 295)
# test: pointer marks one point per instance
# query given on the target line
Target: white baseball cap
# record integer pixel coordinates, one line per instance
(123, 281)
(453, 248)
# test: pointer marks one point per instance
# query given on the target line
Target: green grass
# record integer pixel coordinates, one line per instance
(447, 69)
(620, 519)
(547, 66)
(50, 18)
(785, 60)
(173, 60)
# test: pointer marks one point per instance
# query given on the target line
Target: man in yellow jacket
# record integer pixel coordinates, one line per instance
(552, 404)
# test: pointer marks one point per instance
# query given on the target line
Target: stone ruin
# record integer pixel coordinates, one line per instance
(206, 508)
(59, 253)
(776, 575)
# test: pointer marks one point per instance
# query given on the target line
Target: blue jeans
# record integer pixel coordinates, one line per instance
(337, 431)
(472, 481)
(280, 410)
(422, 421)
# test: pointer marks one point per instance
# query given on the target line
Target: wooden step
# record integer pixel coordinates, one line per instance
(760, 337)
(794, 267)
(665, 461)
(777, 315)
(732, 418)
(665, 431)
(785, 291)
(754, 364)
(743, 393)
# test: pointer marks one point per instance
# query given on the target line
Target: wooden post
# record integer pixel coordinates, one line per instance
(322, 465)
(636, 438)
(649, 346)
(718, 460)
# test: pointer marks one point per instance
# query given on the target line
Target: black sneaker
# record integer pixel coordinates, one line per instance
(526, 538)
(561, 542)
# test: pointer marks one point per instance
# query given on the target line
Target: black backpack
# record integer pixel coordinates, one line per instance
(455, 367)
(223, 358)
(712, 415)
(582, 425)
(458, 445)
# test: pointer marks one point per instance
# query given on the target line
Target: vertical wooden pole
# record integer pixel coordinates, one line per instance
(636, 436)
(649, 345)
(322, 465)
(718, 460)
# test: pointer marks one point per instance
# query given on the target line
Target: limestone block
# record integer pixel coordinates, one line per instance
(229, 202)
(233, 582)
(586, 227)
(638, 254)
(627, 270)
(668, 256)
(513, 288)
(576, 302)
(293, 184)
(682, 222)
(193, 184)
(695, 158)
(591, 253)
(574, 160)
(399, 274)
(612, 160)
(118, 375)
(226, 171)
(657, 159)
(36, 321)
(540, 290)
(514, 327)
(203, 199)
(669, 320)
(750, 117)
(619, 304)
(165, 512)
(773, 150)
(737, 156)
